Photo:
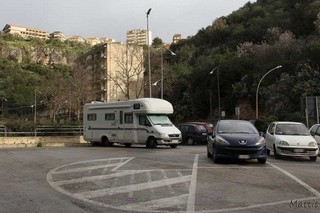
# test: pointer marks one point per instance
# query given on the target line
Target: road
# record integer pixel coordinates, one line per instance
(136, 179)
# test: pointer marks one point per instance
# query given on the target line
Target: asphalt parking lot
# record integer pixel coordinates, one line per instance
(136, 179)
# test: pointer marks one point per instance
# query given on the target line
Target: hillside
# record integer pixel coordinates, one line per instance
(244, 46)
(39, 51)
(38, 72)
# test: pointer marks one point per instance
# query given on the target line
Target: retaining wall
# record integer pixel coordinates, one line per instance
(42, 141)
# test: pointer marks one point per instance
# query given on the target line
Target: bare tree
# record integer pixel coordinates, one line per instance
(127, 70)
(55, 88)
(80, 91)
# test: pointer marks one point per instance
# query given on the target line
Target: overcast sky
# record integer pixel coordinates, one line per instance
(113, 18)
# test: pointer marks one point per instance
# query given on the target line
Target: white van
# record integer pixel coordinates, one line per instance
(139, 121)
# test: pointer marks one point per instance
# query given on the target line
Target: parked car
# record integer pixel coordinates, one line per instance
(290, 139)
(193, 133)
(208, 126)
(315, 132)
(236, 139)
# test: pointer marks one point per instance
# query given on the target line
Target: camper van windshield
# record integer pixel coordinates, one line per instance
(160, 120)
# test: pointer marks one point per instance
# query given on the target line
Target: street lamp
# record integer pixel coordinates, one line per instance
(3, 99)
(149, 66)
(173, 54)
(218, 85)
(257, 92)
(35, 105)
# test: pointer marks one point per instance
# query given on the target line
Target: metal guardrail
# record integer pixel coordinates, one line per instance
(3, 130)
(44, 131)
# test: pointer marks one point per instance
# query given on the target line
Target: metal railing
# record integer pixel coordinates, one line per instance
(44, 131)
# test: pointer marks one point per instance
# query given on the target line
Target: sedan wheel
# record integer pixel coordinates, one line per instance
(209, 155)
(268, 152)
(190, 141)
(262, 160)
(275, 154)
(313, 158)
(214, 155)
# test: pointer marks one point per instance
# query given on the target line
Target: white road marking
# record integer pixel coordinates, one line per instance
(116, 168)
(136, 187)
(132, 181)
(99, 177)
(234, 167)
(309, 188)
(157, 204)
(192, 189)
(88, 168)
(154, 204)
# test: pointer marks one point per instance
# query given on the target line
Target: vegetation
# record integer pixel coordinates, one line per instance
(244, 46)
(52, 87)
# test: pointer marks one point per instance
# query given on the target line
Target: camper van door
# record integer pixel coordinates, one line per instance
(143, 128)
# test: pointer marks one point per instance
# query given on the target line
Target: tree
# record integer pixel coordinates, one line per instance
(56, 89)
(157, 42)
(79, 92)
(127, 73)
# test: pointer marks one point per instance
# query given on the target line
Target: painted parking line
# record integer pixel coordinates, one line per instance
(178, 199)
(308, 187)
(75, 179)
(130, 188)
(154, 205)
(192, 190)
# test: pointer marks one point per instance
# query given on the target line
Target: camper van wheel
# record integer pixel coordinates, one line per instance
(127, 144)
(151, 143)
(105, 141)
(93, 143)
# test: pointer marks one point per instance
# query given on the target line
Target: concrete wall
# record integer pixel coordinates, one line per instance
(42, 141)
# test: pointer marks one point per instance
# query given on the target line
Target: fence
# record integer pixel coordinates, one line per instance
(44, 131)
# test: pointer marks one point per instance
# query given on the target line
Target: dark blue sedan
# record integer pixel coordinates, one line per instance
(236, 139)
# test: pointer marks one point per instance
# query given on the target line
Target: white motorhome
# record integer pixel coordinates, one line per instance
(139, 121)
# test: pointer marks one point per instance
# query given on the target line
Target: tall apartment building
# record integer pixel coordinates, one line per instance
(138, 36)
(25, 31)
(115, 71)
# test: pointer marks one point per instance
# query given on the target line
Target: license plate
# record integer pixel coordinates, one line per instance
(298, 150)
(243, 156)
(204, 133)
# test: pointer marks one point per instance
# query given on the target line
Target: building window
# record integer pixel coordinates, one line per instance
(128, 118)
(109, 116)
(92, 117)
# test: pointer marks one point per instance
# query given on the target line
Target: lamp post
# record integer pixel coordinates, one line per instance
(257, 92)
(218, 85)
(35, 106)
(162, 78)
(3, 99)
(149, 66)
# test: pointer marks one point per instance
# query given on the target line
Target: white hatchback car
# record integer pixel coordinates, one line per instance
(290, 139)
